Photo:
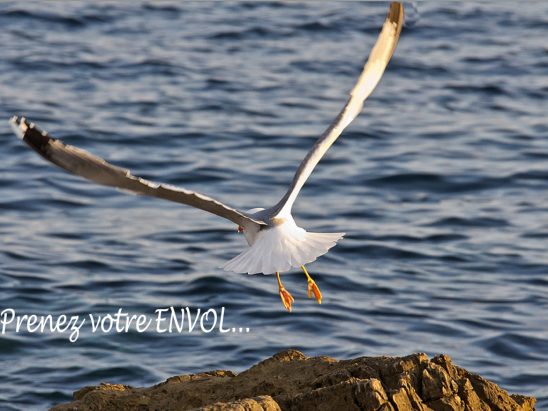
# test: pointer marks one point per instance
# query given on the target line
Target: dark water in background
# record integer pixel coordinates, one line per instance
(441, 185)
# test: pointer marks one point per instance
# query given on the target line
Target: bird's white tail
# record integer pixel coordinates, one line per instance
(281, 248)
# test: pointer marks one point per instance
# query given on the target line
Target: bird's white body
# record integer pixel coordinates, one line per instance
(280, 246)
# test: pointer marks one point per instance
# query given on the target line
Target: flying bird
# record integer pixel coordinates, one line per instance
(276, 243)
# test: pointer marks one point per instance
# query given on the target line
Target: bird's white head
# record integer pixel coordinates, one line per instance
(250, 236)
(250, 212)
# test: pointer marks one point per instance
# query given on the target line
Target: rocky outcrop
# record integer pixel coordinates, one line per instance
(291, 381)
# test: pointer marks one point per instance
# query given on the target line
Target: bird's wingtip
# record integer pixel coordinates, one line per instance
(19, 126)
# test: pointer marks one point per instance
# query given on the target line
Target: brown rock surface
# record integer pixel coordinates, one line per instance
(291, 381)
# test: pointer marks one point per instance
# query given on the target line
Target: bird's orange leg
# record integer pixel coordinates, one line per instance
(312, 287)
(287, 299)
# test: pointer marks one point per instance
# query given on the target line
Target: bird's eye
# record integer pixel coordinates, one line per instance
(240, 229)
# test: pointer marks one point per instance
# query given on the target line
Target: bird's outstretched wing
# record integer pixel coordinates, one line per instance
(372, 72)
(87, 165)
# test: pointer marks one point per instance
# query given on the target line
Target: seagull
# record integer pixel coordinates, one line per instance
(276, 243)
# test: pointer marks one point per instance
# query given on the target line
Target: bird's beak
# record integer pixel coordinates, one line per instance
(240, 229)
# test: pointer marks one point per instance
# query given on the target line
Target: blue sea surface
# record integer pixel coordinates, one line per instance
(441, 185)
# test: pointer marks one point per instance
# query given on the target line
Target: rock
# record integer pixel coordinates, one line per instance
(291, 381)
